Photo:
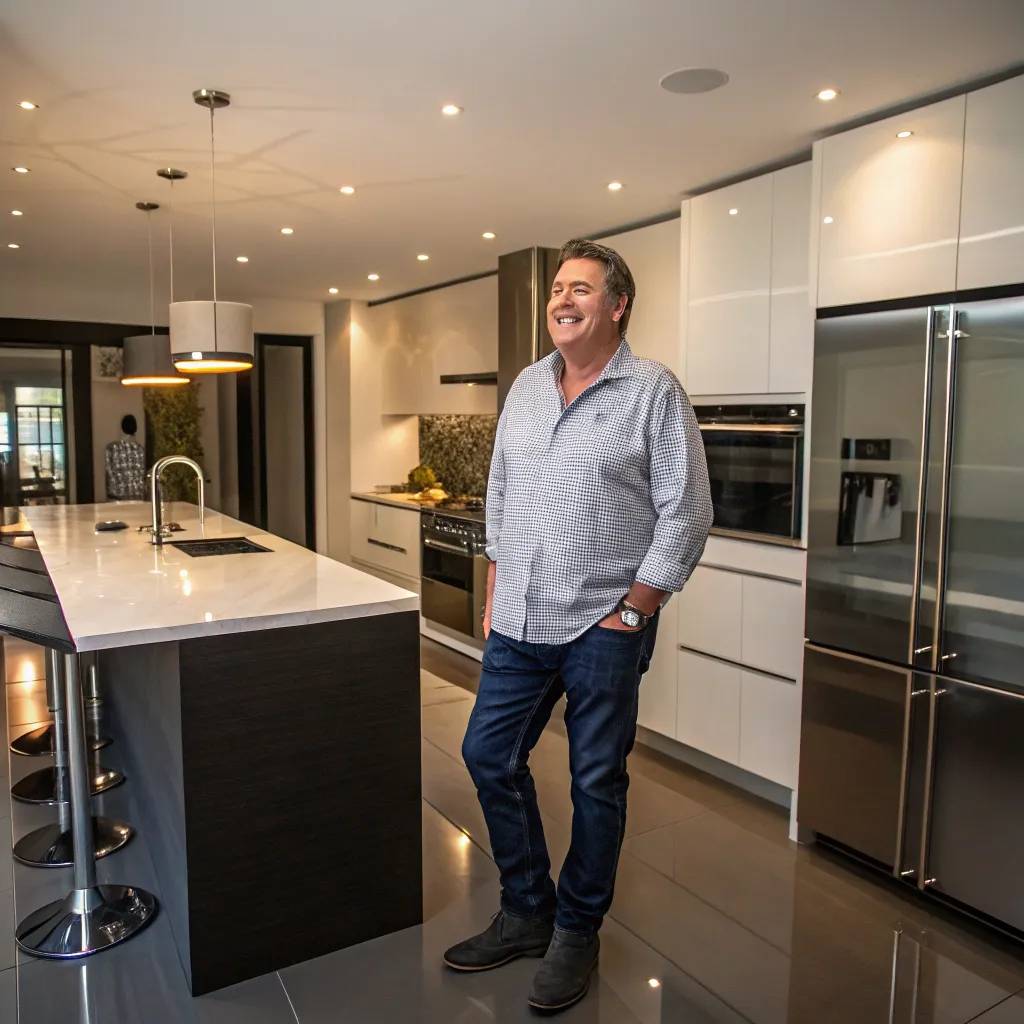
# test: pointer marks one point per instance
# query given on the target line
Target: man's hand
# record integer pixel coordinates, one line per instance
(614, 621)
(641, 596)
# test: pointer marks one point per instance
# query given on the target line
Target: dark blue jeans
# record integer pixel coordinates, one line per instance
(521, 682)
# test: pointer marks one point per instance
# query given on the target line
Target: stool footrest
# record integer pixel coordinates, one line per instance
(52, 847)
(44, 786)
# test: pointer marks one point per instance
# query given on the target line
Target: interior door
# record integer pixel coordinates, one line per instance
(871, 385)
(983, 611)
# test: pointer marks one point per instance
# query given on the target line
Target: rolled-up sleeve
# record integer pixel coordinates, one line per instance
(496, 493)
(680, 492)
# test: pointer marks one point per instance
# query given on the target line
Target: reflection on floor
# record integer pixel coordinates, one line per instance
(717, 916)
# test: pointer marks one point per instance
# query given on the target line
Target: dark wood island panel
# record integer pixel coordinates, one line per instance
(276, 774)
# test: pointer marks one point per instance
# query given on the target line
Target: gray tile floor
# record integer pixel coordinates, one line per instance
(717, 916)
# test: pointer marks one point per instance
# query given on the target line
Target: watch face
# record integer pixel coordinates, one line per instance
(630, 618)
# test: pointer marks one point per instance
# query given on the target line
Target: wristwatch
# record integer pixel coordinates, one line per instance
(631, 616)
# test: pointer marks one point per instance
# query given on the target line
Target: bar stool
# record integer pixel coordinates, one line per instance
(51, 846)
(91, 917)
(42, 787)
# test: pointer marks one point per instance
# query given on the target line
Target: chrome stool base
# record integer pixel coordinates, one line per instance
(43, 786)
(86, 921)
(53, 847)
(39, 742)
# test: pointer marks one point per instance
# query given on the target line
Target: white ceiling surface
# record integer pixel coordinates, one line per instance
(559, 100)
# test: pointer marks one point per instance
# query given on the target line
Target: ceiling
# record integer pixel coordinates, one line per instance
(559, 100)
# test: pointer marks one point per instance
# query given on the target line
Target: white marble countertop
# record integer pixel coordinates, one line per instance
(117, 589)
(398, 500)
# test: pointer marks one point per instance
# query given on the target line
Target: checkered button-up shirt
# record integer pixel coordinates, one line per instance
(585, 499)
(126, 470)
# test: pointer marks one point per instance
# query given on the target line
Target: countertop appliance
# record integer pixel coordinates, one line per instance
(454, 572)
(755, 459)
(913, 696)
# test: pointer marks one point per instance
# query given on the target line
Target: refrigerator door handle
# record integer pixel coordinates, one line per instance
(947, 459)
(934, 691)
(915, 599)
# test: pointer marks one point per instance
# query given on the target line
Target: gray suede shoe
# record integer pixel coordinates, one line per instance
(508, 938)
(564, 977)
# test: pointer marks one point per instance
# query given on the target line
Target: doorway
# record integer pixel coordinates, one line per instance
(276, 474)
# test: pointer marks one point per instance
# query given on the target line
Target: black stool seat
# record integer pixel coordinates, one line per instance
(28, 559)
(22, 581)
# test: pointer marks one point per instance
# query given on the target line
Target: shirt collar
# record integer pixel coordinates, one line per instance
(622, 364)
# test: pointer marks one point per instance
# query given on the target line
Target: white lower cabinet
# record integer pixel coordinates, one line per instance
(710, 607)
(708, 716)
(772, 626)
(659, 687)
(769, 727)
(386, 536)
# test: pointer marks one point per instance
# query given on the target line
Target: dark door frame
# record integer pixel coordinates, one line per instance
(252, 435)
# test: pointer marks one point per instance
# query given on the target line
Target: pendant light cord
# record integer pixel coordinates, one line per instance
(213, 197)
(170, 231)
(152, 302)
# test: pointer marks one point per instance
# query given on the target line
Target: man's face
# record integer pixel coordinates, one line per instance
(579, 313)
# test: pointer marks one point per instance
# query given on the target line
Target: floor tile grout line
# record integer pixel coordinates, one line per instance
(287, 996)
(989, 1009)
(486, 852)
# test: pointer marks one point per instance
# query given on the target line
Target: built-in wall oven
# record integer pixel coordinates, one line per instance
(454, 571)
(755, 459)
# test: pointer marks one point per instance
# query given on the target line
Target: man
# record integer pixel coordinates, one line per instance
(598, 508)
(126, 465)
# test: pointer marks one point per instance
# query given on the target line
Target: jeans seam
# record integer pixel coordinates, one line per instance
(511, 776)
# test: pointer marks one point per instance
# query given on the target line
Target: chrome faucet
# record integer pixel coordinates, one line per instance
(154, 492)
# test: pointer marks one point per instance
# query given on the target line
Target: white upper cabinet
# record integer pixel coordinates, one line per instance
(791, 327)
(729, 282)
(890, 207)
(992, 214)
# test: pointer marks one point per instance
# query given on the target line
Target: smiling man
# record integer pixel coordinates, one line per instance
(598, 508)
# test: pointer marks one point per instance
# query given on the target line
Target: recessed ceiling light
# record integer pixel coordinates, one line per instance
(828, 94)
(20, 170)
(688, 81)
(242, 259)
(423, 256)
(333, 291)
(13, 245)
(614, 186)
(654, 983)
(488, 234)
(828, 220)
(16, 213)
(373, 277)
(733, 212)
(28, 105)
(347, 190)
(450, 109)
(903, 135)
(287, 231)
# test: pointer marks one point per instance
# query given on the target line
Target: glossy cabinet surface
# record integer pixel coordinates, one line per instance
(386, 537)
(710, 610)
(729, 283)
(769, 727)
(772, 626)
(709, 706)
(894, 205)
(992, 205)
(659, 688)
(791, 323)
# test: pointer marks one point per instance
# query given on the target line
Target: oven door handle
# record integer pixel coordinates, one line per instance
(752, 428)
(440, 545)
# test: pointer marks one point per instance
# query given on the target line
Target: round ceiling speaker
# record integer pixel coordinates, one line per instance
(693, 80)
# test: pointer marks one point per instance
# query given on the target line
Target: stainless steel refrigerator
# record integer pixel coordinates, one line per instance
(912, 747)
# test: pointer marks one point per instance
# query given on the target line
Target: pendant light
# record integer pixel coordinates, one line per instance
(211, 337)
(147, 357)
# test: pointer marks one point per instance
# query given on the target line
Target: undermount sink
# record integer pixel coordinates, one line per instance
(217, 546)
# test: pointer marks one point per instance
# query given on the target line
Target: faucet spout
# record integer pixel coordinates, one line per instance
(156, 498)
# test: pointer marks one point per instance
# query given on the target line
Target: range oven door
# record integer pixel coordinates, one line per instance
(453, 587)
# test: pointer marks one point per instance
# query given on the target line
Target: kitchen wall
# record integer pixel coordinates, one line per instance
(458, 449)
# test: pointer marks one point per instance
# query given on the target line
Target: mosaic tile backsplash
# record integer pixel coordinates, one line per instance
(458, 449)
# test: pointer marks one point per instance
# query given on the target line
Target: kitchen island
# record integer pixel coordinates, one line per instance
(265, 709)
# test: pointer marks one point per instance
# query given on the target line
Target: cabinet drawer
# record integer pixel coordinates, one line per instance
(769, 728)
(387, 537)
(709, 706)
(773, 626)
(659, 686)
(710, 606)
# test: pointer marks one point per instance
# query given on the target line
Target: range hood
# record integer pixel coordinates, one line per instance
(524, 284)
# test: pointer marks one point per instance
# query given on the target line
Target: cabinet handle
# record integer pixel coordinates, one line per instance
(390, 547)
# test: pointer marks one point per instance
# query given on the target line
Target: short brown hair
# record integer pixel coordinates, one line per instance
(618, 280)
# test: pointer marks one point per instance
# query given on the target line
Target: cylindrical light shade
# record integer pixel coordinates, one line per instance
(147, 362)
(211, 337)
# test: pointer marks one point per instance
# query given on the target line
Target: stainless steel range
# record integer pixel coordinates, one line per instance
(455, 567)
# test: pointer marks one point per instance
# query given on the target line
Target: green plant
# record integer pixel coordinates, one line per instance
(421, 478)
(173, 428)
